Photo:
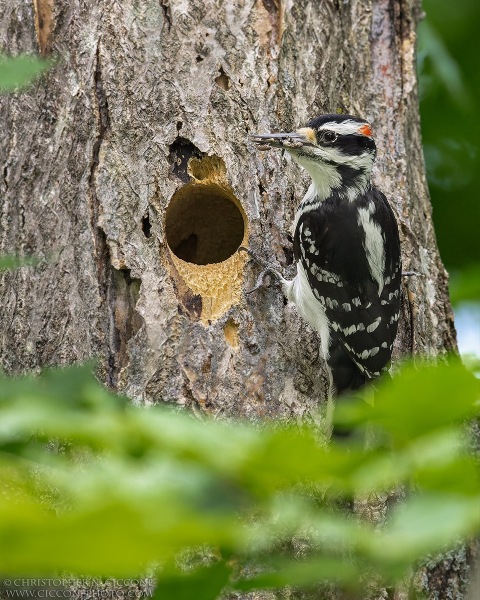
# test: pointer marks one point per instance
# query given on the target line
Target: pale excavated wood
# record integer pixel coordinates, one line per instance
(85, 157)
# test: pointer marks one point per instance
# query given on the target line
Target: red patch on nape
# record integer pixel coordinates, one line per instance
(365, 130)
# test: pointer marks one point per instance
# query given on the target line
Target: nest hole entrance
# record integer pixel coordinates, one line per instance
(204, 224)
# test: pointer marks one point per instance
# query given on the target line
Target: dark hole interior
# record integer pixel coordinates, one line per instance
(222, 80)
(146, 227)
(203, 225)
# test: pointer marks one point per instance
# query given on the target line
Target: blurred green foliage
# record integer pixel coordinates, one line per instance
(448, 51)
(465, 284)
(81, 468)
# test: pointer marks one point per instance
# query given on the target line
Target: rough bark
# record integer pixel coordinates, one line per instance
(93, 154)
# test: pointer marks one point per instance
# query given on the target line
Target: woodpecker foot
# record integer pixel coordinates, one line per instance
(261, 277)
(267, 270)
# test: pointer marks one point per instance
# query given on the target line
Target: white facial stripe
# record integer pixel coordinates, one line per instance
(345, 128)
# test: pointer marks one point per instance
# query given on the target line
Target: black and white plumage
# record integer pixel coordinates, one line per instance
(346, 248)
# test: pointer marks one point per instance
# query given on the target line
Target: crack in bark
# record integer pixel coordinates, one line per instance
(411, 314)
(102, 106)
(167, 14)
(118, 290)
(125, 321)
(101, 250)
(5, 178)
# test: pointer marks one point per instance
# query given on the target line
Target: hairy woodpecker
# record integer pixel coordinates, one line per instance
(346, 249)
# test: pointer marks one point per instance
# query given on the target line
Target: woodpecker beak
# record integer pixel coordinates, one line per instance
(294, 139)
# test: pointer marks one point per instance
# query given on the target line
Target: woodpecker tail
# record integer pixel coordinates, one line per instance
(348, 379)
(346, 375)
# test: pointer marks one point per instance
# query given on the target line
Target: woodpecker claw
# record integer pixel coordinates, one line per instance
(254, 257)
(411, 274)
(259, 282)
(267, 270)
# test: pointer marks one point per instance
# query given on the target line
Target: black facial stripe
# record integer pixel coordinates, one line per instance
(354, 144)
(298, 152)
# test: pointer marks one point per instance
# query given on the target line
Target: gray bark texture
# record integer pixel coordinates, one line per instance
(128, 169)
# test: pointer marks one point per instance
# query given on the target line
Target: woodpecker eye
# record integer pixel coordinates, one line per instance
(327, 136)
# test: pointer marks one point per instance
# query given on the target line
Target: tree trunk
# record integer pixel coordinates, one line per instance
(128, 169)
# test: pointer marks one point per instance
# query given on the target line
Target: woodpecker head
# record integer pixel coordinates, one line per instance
(338, 151)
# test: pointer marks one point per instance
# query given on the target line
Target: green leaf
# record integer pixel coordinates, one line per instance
(17, 72)
(417, 402)
(315, 570)
(15, 262)
(205, 583)
(426, 524)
